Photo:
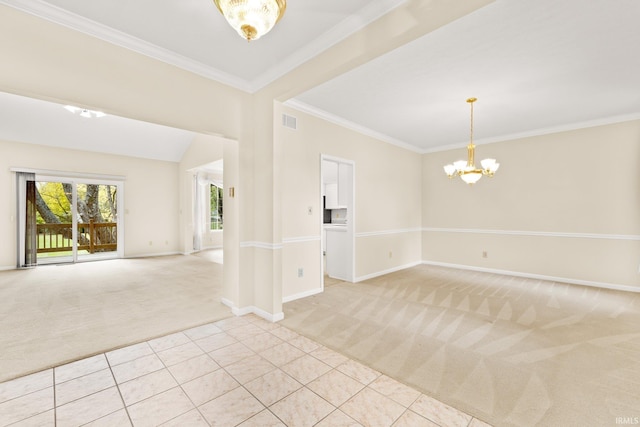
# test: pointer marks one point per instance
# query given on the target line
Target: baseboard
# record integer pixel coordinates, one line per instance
(273, 318)
(235, 310)
(13, 267)
(301, 295)
(391, 270)
(612, 286)
(252, 310)
(150, 255)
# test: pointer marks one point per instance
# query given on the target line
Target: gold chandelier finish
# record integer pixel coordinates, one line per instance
(252, 18)
(468, 171)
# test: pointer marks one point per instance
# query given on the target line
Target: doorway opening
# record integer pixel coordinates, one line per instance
(338, 219)
(207, 208)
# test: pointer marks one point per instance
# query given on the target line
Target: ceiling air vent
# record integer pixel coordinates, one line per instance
(289, 121)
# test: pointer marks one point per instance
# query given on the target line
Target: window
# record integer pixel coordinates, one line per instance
(217, 196)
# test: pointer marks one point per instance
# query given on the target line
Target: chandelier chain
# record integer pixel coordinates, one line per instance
(471, 128)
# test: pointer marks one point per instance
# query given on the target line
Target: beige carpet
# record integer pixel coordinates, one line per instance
(510, 351)
(55, 314)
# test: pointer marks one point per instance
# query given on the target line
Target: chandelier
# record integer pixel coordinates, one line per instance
(467, 170)
(252, 19)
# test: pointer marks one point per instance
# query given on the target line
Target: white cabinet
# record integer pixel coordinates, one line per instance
(343, 184)
(331, 194)
(337, 191)
(338, 252)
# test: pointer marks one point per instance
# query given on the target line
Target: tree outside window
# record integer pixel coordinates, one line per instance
(217, 196)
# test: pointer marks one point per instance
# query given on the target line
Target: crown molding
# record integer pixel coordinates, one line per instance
(335, 35)
(539, 132)
(324, 115)
(76, 22)
(309, 109)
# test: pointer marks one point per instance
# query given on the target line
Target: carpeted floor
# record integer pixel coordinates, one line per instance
(510, 351)
(55, 314)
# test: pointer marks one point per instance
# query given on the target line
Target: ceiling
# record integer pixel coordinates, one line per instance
(47, 123)
(536, 66)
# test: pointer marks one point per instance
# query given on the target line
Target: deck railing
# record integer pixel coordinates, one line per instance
(92, 237)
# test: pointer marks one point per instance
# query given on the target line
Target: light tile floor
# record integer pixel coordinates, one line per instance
(241, 371)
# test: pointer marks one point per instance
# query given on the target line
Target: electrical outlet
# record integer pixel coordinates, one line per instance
(485, 254)
(310, 210)
(390, 254)
(150, 243)
(300, 272)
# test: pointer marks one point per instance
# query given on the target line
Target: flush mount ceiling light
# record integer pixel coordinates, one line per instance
(252, 19)
(467, 170)
(84, 112)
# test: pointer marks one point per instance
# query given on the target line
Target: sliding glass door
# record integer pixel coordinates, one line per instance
(54, 222)
(70, 220)
(97, 220)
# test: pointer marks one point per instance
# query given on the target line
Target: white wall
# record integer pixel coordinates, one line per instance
(563, 205)
(387, 201)
(150, 195)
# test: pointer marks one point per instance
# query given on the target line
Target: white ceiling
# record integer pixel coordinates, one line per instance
(535, 65)
(40, 122)
(194, 35)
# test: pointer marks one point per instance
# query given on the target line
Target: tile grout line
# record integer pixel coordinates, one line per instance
(268, 408)
(295, 391)
(178, 385)
(197, 408)
(27, 394)
(86, 395)
(126, 410)
(55, 406)
(175, 379)
(304, 386)
(242, 385)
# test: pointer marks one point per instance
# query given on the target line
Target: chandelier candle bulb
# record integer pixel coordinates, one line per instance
(467, 170)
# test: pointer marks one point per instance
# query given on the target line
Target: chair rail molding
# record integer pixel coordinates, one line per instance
(534, 233)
